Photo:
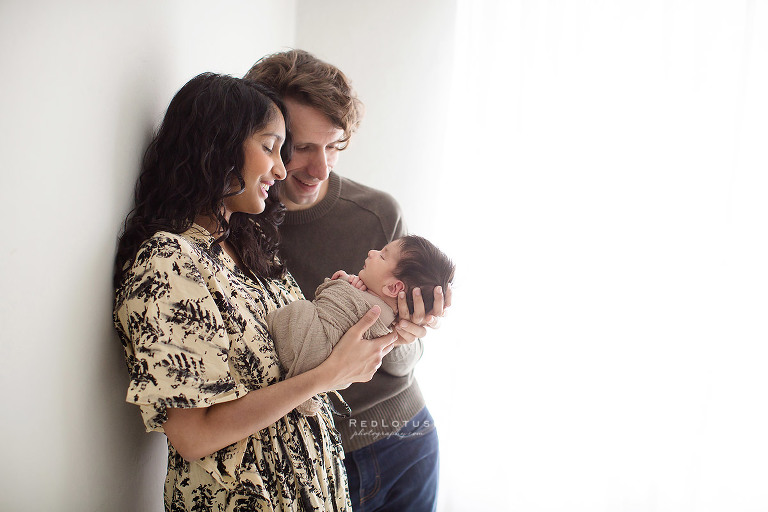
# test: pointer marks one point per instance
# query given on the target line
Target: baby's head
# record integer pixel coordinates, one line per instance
(404, 264)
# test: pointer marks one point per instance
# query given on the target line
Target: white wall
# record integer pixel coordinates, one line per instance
(399, 56)
(84, 83)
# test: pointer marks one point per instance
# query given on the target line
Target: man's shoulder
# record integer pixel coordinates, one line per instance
(352, 190)
(367, 197)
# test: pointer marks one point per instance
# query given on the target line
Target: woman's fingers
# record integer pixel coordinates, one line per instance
(359, 358)
(365, 323)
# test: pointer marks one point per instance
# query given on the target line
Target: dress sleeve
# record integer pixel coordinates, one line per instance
(173, 333)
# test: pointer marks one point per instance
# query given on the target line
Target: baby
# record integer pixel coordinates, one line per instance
(305, 331)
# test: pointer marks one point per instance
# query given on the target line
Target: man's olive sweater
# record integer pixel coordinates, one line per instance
(336, 234)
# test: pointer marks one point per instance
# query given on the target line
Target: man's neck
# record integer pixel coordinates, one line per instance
(294, 207)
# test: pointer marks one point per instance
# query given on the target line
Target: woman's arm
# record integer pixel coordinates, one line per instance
(198, 432)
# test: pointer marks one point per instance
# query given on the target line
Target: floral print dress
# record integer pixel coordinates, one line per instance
(193, 330)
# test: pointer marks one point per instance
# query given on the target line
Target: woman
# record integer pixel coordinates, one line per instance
(196, 273)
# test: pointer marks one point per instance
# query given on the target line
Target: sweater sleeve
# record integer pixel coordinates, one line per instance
(402, 359)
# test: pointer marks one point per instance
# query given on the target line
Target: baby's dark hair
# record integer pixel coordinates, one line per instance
(424, 266)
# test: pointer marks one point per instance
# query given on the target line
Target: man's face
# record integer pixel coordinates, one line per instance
(315, 151)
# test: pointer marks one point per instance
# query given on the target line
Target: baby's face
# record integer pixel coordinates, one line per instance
(379, 267)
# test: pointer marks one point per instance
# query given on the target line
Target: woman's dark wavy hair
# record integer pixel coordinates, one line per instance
(191, 163)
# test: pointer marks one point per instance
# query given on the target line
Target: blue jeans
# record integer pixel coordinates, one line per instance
(397, 473)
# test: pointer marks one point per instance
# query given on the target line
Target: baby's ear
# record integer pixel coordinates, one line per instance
(393, 288)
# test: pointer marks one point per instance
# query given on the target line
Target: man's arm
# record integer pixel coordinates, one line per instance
(402, 359)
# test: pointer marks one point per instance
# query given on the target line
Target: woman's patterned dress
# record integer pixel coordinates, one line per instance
(192, 326)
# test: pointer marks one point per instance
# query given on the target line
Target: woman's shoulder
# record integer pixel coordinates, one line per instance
(165, 254)
(164, 244)
(166, 262)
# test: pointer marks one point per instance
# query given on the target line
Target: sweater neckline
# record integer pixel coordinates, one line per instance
(317, 211)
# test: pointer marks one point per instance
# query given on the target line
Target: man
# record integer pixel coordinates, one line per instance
(390, 441)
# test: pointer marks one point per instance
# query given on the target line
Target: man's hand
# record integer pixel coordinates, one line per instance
(411, 326)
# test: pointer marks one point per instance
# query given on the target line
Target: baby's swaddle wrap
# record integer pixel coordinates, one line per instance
(305, 332)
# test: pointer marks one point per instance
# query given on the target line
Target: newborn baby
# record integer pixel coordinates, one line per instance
(305, 331)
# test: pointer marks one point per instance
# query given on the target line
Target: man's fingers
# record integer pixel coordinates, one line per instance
(448, 296)
(437, 306)
(402, 307)
(409, 331)
(418, 307)
(433, 322)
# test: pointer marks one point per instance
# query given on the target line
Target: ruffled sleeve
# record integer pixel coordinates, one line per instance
(176, 343)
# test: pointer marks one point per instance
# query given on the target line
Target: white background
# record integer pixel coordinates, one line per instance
(596, 169)
(84, 84)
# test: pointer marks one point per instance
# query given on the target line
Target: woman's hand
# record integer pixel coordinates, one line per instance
(410, 327)
(355, 359)
(198, 432)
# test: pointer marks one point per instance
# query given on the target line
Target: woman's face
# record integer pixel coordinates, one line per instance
(262, 167)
